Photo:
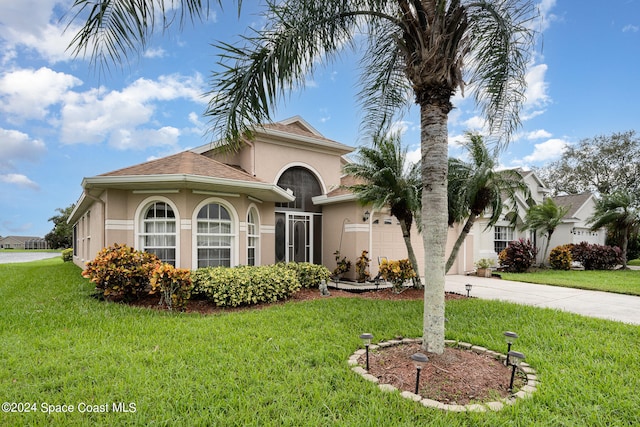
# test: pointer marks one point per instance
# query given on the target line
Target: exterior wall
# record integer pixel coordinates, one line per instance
(123, 219)
(465, 258)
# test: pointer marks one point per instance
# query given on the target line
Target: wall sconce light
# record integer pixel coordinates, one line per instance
(366, 338)
(366, 216)
(516, 357)
(510, 338)
(468, 288)
(420, 359)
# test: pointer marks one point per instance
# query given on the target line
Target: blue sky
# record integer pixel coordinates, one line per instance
(61, 120)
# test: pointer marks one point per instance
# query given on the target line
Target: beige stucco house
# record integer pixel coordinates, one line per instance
(279, 198)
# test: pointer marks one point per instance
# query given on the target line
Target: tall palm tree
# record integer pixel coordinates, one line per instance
(389, 181)
(423, 50)
(545, 217)
(476, 185)
(620, 213)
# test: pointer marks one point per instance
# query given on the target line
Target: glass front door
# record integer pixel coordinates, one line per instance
(294, 237)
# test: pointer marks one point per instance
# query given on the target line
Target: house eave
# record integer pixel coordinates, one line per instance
(325, 200)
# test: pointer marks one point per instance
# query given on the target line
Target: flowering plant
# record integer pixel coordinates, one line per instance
(397, 272)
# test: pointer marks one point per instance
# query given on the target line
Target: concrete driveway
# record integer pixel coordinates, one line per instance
(604, 305)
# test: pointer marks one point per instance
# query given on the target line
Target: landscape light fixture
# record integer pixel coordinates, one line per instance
(366, 216)
(366, 338)
(420, 359)
(510, 338)
(468, 288)
(516, 357)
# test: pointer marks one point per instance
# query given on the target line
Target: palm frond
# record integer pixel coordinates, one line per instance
(500, 41)
(113, 30)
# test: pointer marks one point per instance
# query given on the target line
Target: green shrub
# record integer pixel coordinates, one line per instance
(560, 257)
(596, 257)
(67, 255)
(518, 256)
(232, 287)
(309, 275)
(174, 284)
(121, 272)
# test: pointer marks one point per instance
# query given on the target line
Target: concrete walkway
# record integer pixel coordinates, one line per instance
(604, 305)
(7, 257)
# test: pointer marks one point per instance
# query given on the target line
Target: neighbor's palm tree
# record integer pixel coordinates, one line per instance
(545, 217)
(389, 181)
(619, 212)
(413, 49)
(476, 185)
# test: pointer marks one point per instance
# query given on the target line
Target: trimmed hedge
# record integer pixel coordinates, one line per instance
(245, 285)
(309, 275)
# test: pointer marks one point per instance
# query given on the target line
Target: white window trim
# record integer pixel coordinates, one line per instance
(235, 230)
(257, 236)
(141, 209)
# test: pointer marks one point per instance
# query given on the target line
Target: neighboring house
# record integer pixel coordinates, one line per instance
(23, 242)
(278, 198)
(574, 228)
(489, 242)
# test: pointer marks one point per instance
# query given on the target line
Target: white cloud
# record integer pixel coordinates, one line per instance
(546, 17)
(34, 25)
(538, 134)
(17, 146)
(546, 151)
(28, 93)
(536, 92)
(399, 127)
(117, 116)
(154, 53)
(415, 155)
(19, 180)
(630, 28)
(125, 139)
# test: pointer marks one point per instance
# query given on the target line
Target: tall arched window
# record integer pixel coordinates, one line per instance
(253, 237)
(299, 223)
(158, 234)
(214, 236)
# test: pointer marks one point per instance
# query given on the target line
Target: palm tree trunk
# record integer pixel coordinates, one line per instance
(463, 235)
(434, 152)
(625, 244)
(546, 248)
(406, 235)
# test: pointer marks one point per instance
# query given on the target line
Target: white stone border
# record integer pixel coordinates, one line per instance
(525, 392)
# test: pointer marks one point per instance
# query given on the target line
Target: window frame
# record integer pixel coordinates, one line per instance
(233, 234)
(140, 232)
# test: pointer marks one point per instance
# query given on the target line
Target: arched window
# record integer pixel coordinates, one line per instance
(214, 236)
(298, 225)
(253, 237)
(158, 234)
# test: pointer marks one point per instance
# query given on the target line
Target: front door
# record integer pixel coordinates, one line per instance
(294, 236)
(300, 238)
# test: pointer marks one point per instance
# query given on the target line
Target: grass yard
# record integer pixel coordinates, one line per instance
(284, 364)
(619, 281)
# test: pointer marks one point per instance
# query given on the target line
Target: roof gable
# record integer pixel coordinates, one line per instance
(574, 202)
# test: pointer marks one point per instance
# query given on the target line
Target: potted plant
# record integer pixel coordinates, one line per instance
(483, 267)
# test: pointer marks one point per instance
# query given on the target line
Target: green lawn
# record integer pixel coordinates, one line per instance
(285, 364)
(619, 281)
